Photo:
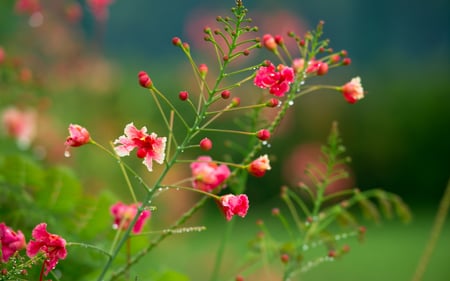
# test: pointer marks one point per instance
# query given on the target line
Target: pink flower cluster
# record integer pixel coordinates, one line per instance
(124, 214)
(11, 242)
(276, 79)
(52, 245)
(207, 174)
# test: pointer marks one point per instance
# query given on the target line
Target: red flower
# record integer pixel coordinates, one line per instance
(11, 241)
(207, 174)
(259, 166)
(277, 80)
(353, 90)
(234, 205)
(150, 147)
(52, 245)
(124, 215)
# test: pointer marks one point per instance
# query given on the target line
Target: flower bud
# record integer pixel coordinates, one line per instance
(284, 258)
(273, 102)
(269, 42)
(203, 69)
(144, 80)
(263, 134)
(205, 144)
(225, 94)
(323, 69)
(235, 102)
(259, 166)
(183, 95)
(176, 41)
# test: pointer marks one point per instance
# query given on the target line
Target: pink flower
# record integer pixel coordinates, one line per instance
(124, 215)
(78, 136)
(150, 147)
(207, 174)
(277, 80)
(234, 205)
(27, 6)
(11, 241)
(20, 124)
(99, 8)
(259, 166)
(353, 90)
(269, 42)
(52, 245)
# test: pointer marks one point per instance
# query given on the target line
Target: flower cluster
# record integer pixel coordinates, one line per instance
(11, 241)
(276, 79)
(52, 246)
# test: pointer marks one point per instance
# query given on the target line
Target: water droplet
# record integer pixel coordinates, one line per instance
(305, 247)
(337, 237)
(115, 226)
(302, 82)
(66, 154)
(291, 103)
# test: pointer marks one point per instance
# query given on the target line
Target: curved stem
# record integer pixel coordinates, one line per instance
(434, 236)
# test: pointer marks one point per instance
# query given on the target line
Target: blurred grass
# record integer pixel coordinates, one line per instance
(390, 251)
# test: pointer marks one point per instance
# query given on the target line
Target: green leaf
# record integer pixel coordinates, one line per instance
(172, 276)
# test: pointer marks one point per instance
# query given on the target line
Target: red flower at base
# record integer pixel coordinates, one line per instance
(353, 90)
(52, 245)
(150, 147)
(277, 80)
(207, 174)
(11, 242)
(124, 215)
(234, 205)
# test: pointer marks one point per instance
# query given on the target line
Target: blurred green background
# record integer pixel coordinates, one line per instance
(398, 136)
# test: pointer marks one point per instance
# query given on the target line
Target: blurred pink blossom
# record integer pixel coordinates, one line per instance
(207, 174)
(124, 214)
(20, 124)
(99, 8)
(11, 242)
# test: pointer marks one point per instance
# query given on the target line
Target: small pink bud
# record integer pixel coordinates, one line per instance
(269, 42)
(186, 46)
(263, 134)
(323, 69)
(235, 102)
(225, 94)
(284, 258)
(207, 29)
(346, 61)
(332, 253)
(203, 69)
(279, 40)
(273, 102)
(176, 41)
(335, 58)
(259, 166)
(183, 95)
(239, 278)
(345, 248)
(144, 80)
(275, 212)
(246, 52)
(302, 43)
(344, 53)
(225, 58)
(205, 144)
(2, 55)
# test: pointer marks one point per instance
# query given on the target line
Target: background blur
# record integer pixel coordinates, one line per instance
(398, 136)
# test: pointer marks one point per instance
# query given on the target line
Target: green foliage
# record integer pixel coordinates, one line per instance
(314, 214)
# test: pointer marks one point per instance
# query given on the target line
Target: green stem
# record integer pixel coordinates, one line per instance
(434, 236)
(220, 252)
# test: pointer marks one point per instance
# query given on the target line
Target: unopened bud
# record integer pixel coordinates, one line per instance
(144, 79)
(273, 102)
(284, 258)
(183, 95)
(263, 134)
(235, 102)
(225, 94)
(323, 69)
(205, 144)
(176, 41)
